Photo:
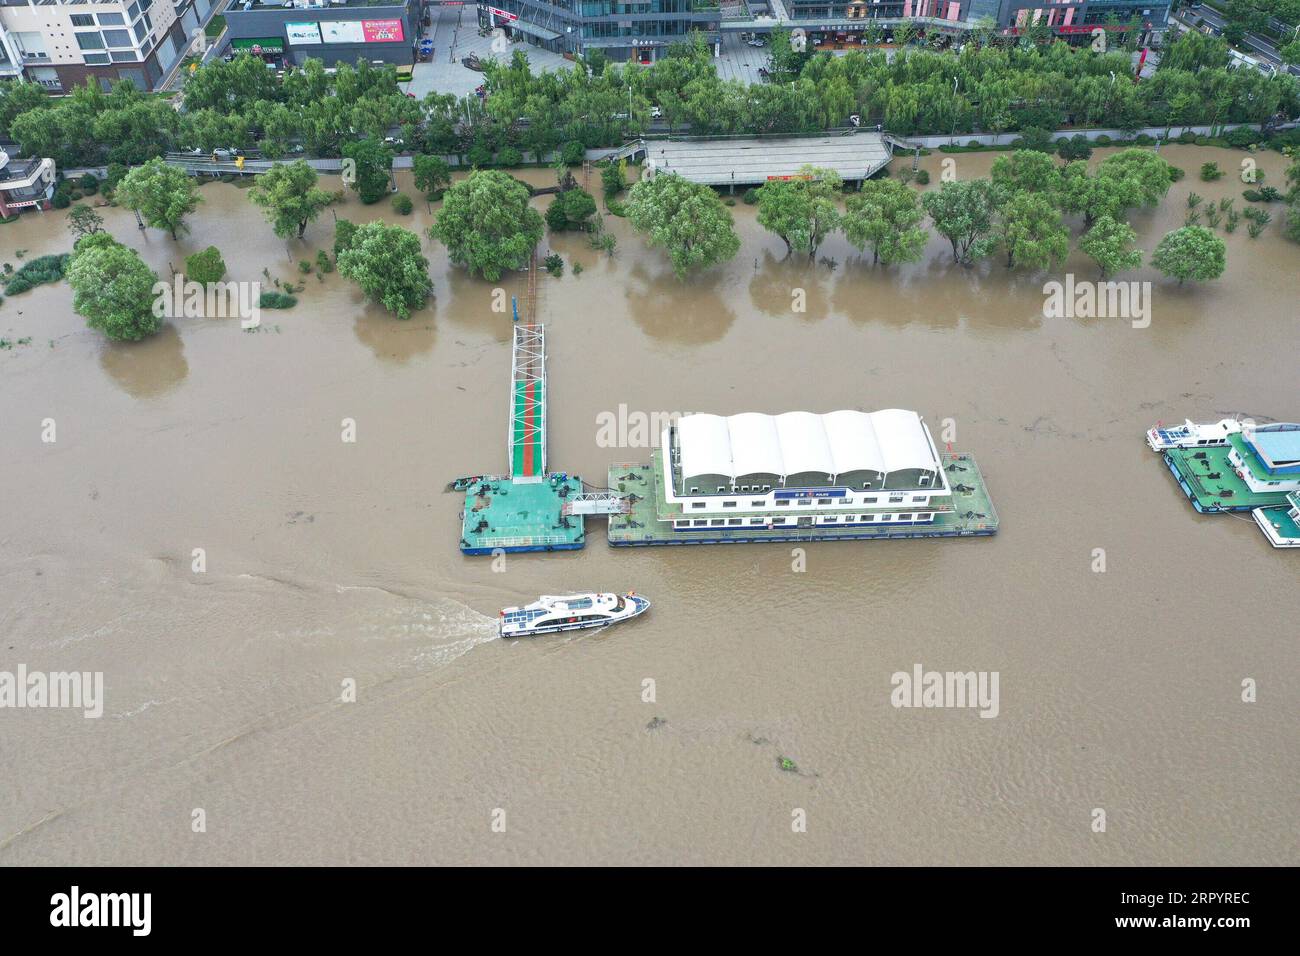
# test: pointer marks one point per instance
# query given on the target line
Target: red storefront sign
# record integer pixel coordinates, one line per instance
(382, 31)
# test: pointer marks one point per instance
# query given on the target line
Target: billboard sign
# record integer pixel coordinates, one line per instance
(342, 31)
(302, 34)
(382, 31)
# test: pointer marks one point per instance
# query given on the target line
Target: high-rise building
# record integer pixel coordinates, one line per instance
(62, 43)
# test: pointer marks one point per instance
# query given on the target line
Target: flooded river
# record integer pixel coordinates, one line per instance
(329, 565)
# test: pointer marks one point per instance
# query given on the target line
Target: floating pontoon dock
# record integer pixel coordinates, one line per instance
(525, 510)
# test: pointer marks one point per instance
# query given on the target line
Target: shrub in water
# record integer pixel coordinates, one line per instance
(205, 266)
(402, 204)
(277, 300)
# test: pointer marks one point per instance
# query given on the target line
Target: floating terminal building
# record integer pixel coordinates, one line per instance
(801, 476)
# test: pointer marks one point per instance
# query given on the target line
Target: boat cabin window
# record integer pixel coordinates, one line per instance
(701, 523)
(805, 501)
(756, 504)
(868, 517)
(925, 479)
(697, 504)
(866, 484)
(923, 517)
(728, 504)
(767, 487)
(695, 491)
(721, 488)
(619, 604)
(868, 501)
(756, 520)
(825, 501)
(717, 521)
(918, 497)
(735, 520)
(783, 503)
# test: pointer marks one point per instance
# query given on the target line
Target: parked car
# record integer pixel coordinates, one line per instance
(656, 113)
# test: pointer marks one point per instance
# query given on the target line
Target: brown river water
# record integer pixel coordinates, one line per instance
(328, 561)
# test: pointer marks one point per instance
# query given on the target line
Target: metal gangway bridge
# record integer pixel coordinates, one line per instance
(527, 432)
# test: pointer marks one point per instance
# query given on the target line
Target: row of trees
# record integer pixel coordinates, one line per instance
(1018, 211)
(489, 227)
(988, 87)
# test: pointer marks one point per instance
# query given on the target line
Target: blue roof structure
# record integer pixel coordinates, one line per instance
(1278, 445)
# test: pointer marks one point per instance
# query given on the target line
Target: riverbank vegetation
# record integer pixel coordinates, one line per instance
(990, 86)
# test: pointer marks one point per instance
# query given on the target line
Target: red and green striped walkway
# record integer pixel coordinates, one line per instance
(528, 404)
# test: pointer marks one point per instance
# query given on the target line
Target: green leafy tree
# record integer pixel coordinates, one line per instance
(113, 288)
(571, 209)
(613, 178)
(373, 163)
(163, 195)
(802, 211)
(487, 225)
(886, 216)
(84, 221)
(344, 230)
(432, 175)
(1192, 252)
(388, 265)
(964, 213)
(1032, 233)
(288, 194)
(1075, 147)
(1026, 170)
(206, 266)
(1109, 243)
(686, 219)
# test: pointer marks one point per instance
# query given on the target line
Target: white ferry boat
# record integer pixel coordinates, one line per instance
(1192, 434)
(570, 612)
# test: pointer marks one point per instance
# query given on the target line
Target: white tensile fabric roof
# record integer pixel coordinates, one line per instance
(797, 442)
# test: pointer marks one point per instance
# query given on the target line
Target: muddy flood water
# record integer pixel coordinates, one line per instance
(329, 562)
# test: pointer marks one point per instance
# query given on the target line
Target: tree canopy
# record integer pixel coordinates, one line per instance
(686, 219)
(487, 225)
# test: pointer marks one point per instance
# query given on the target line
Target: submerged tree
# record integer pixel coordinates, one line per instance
(1032, 232)
(1110, 244)
(802, 211)
(372, 163)
(687, 219)
(388, 265)
(163, 195)
(288, 194)
(1192, 252)
(487, 225)
(886, 215)
(113, 288)
(964, 213)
